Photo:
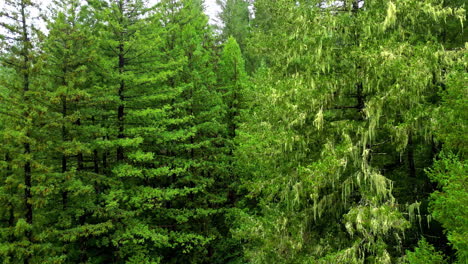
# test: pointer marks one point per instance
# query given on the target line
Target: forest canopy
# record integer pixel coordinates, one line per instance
(295, 132)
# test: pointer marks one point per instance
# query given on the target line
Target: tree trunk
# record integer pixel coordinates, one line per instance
(411, 166)
(121, 108)
(64, 157)
(27, 146)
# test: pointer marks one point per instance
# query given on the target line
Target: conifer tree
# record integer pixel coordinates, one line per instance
(135, 119)
(233, 85)
(26, 120)
(232, 81)
(203, 150)
(235, 19)
(69, 55)
(450, 167)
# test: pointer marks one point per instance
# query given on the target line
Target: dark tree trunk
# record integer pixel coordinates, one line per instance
(64, 157)
(121, 108)
(79, 157)
(411, 166)
(11, 218)
(27, 147)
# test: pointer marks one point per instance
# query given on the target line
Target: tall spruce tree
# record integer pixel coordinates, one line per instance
(69, 58)
(201, 226)
(137, 120)
(235, 18)
(26, 121)
(233, 85)
(232, 80)
(450, 166)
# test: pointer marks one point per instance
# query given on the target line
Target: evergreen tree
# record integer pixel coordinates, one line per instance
(69, 56)
(233, 81)
(233, 85)
(200, 227)
(450, 174)
(26, 121)
(235, 18)
(136, 121)
(450, 169)
(425, 253)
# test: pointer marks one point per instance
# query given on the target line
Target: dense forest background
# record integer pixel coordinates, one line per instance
(294, 132)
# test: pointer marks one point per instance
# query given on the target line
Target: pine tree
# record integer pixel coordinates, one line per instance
(69, 59)
(235, 18)
(202, 153)
(233, 85)
(450, 167)
(425, 253)
(233, 81)
(449, 172)
(25, 146)
(134, 119)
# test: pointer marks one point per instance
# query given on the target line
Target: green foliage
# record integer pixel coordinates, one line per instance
(235, 18)
(450, 125)
(344, 99)
(424, 253)
(232, 80)
(449, 205)
(132, 133)
(25, 120)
